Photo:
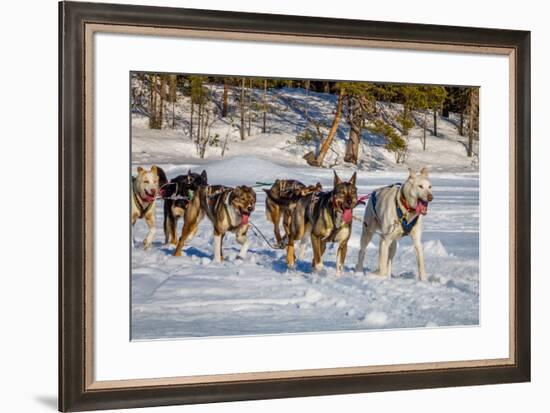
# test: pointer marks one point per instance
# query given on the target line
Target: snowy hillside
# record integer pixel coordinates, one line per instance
(191, 296)
(286, 120)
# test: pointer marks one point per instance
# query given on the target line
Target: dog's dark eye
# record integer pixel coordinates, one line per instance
(421, 186)
(145, 182)
(430, 187)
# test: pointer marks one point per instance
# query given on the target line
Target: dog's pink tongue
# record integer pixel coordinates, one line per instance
(347, 216)
(421, 208)
(244, 219)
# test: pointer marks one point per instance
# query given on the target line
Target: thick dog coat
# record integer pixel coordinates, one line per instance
(280, 201)
(229, 211)
(194, 212)
(394, 212)
(326, 217)
(178, 198)
(145, 188)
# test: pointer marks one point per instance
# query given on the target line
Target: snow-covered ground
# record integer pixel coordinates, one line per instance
(191, 296)
(286, 119)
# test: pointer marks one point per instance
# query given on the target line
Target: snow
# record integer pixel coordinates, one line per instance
(193, 296)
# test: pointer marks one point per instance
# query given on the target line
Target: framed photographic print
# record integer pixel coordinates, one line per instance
(265, 206)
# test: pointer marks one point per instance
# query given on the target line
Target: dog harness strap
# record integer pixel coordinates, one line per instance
(373, 199)
(142, 210)
(407, 226)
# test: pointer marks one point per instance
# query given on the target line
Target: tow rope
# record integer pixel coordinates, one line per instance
(257, 232)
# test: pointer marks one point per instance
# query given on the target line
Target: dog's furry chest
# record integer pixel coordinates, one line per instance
(141, 210)
(332, 228)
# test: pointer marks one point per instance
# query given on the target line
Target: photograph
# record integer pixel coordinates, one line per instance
(279, 206)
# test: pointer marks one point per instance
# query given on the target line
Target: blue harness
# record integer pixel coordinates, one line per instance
(406, 226)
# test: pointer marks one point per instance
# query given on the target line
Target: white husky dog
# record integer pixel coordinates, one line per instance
(394, 212)
(145, 188)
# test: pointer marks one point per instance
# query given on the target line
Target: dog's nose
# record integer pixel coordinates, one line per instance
(430, 197)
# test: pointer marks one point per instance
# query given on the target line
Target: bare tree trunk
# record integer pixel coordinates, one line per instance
(307, 85)
(461, 127)
(424, 132)
(225, 96)
(242, 109)
(191, 119)
(265, 107)
(318, 161)
(435, 122)
(355, 121)
(326, 87)
(249, 107)
(200, 120)
(173, 97)
(471, 124)
(162, 99)
(152, 102)
(173, 114)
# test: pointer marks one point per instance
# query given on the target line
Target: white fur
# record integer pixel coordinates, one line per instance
(146, 184)
(386, 223)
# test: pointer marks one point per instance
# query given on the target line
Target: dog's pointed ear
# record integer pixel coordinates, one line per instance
(140, 170)
(203, 175)
(318, 186)
(337, 179)
(353, 178)
(424, 172)
(163, 180)
(189, 172)
(412, 173)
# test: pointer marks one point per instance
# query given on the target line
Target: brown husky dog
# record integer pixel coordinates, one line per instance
(280, 201)
(230, 210)
(327, 216)
(194, 212)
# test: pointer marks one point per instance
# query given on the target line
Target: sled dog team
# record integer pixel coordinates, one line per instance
(306, 211)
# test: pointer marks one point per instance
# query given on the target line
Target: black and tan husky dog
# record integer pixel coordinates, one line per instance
(280, 201)
(178, 195)
(328, 217)
(229, 210)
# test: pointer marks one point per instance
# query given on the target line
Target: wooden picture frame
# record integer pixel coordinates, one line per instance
(77, 388)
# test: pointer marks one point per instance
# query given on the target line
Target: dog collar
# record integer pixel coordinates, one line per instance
(404, 201)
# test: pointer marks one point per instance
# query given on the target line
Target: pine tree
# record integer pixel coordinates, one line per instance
(360, 98)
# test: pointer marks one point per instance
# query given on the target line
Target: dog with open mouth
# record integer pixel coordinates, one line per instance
(326, 217)
(394, 212)
(145, 189)
(229, 210)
